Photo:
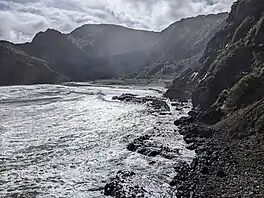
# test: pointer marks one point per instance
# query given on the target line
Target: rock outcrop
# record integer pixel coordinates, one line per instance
(156, 103)
(123, 186)
(181, 88)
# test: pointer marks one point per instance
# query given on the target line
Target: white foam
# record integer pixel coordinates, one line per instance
(65, 147)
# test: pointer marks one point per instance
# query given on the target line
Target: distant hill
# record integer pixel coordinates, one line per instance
(17, 67)
(180, 46)
(109, 51)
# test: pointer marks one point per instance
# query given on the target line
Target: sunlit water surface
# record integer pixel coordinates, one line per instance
(67, 141)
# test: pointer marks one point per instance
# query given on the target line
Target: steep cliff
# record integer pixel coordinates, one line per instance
(228, 93)
(233, 57)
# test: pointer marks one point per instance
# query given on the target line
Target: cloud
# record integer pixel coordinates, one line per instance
(21, 19)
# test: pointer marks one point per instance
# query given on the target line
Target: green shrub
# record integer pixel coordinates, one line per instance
(249, 89)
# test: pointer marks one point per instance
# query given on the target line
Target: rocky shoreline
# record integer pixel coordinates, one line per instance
(156, 103)
(222, 167)
(226, 128)
(123, 183)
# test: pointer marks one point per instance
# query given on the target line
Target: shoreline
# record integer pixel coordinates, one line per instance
(150, 145)
(223, 166)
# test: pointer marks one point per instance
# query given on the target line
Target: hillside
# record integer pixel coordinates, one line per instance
(17, 67)
(226, 128)
(180, 46)
(109, 51)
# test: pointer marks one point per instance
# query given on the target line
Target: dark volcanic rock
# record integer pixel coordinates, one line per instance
(183, 120)
(220, 173)
(193, 113)
(122, 186)
(155, 103)
(146, 146)
(211, 116)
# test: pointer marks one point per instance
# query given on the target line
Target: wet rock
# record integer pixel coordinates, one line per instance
(181, 166)
(180, 89)
(156, 103)
(115, 98)
(123, 186)
(152, 163)
(131, 147)
(220, 173)
(192, 146)
(193, 113)
(146, 146)
(177, 122)
(174, 104)
(211, 116)
(153, 152)
(125, 97)
(110, 189)
(178, 108)
(205, 170)
(183, 121)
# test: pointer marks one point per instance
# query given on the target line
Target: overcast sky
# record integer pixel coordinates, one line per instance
(20, 20)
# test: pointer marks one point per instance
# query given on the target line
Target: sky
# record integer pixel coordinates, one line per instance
(20, 20)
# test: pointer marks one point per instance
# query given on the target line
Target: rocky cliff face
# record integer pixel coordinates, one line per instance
(181, 45)
(231, 68)
(230, 85)
(109, 51)
(234, 57)
(228, 93)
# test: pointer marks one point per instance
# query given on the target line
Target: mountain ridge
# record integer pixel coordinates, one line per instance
(108, 51)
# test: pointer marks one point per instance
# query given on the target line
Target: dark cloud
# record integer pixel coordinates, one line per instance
(21, 19)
